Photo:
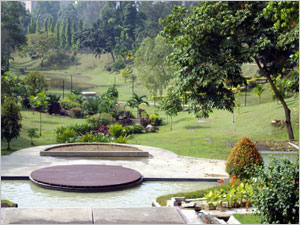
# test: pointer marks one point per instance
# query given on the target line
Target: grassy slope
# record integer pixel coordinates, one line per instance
(49, 124)
(188, 137)
(249, 219)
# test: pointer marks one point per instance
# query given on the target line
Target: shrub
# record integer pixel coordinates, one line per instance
(145, 121)
(53, 104)
(57, 59)
(123, 139)
(68, 104)
(65, 135)
(242, 157)
(81, 129)
(276, 192)
(116, 130)
(100, 118)
(134, 129)
(95, 138)
(155, 120)
(125, 117)
(102, 129)
(90, 105)
(76, 113)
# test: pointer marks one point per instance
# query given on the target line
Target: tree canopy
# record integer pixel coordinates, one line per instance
(211, 42)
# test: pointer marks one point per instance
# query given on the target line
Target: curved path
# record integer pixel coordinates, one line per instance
(161, 164)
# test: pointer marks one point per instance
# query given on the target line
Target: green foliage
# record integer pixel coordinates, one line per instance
(123, 139)
(115, 66)
(95, 138)
(10, 120)
(68, 35)
(31, 132)
(258, 90)
(12, 86)
(136, 101)
(276, 192)
(65, 135)
(57, 60)
(243, 156)
(82, 129)
(116, 130)
(76, 112)
(100, 118)
(68, 104)
(155, 120)
(150, 61)
(35, 83)
(133, 129)
(62, 37)
(12, 33)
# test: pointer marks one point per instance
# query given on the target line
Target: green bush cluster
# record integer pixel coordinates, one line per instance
(101, 118)
(76, 112)
(116, 130)
(276, 192)
(243, 156)
(57, 59)
(65, 135)
(67, 104)
(89, 137)
(155, 120)
(133, 129)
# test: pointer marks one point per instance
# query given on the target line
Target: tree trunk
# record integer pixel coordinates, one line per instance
(287, 111)
(171, 122)
(40, 123)
(8, 145)
(113, 57)
(233, 117)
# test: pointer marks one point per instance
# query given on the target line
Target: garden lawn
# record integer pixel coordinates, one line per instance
(249, 219)
(49, 124)
(214, 137)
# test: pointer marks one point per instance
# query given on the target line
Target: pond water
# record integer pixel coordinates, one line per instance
(26, 194)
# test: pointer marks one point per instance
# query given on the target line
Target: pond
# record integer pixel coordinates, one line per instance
(28, 195)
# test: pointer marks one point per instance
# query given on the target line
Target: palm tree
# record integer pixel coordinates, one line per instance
(258, 90)
(136, 101)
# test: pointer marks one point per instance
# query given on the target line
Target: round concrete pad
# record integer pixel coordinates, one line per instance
(86, 177)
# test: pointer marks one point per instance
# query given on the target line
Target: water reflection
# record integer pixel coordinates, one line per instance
(27, 194)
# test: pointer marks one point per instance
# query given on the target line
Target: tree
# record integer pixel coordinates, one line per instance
(68, 35)
(50, 26)
(62, 37)
(31, 27)
(213, 40)
(136, 101)
(37, 27)
(10, 120)
(258, 90)
(171, 104)
(45, 26)
(125, 73)
(12, 35)
(56, 32)
(35, 83)
(31, 132)
(74, 30)
(70, 12)
(45, 10)
(40, 44)
(153, 69)
(39, 101)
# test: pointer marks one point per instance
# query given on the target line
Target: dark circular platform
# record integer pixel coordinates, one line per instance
(86, 178)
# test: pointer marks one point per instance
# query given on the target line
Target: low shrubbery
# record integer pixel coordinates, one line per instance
(243, 156)
(65, 135)
(116, 130)
(57, 59)
(155, 120)
(76, 112)
(101, 118)
(276, 192)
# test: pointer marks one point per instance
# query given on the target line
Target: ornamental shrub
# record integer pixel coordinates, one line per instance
(243, 156)
(76, 113)
(116, 130)
(100, 118)
(155, 120)
(82, 129)
(65, 135)
(276, 192)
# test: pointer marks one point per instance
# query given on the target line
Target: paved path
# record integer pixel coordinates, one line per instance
(161, 215)
(161, 164)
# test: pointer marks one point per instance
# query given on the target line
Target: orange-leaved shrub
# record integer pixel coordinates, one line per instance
(242, 158)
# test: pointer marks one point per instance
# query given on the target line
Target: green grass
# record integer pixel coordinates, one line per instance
(162, 200)
(212, 139)
(49, 124)
(249, 219)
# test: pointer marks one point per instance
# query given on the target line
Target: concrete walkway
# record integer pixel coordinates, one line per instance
(161, 215)
(161, 164)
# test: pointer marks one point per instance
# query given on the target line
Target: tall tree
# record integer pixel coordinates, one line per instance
(10, 120)
(150, 61)
(45, 10)
(214, 39)
(31, 26)
(74, 30)
(12, 35)
(50, 26)
(62, 37)
(56, 31)
(35, 83)
(37, 27)
(68, 11)
(45, 26)
(68, 35)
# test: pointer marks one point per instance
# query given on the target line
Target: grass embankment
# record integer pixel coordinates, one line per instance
(162, 200)
(249, 219)
(30, 120)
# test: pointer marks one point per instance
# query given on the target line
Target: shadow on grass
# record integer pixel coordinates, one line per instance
(195, 127)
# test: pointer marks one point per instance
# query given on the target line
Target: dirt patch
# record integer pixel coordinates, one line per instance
(94, 148)
(276, 146)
